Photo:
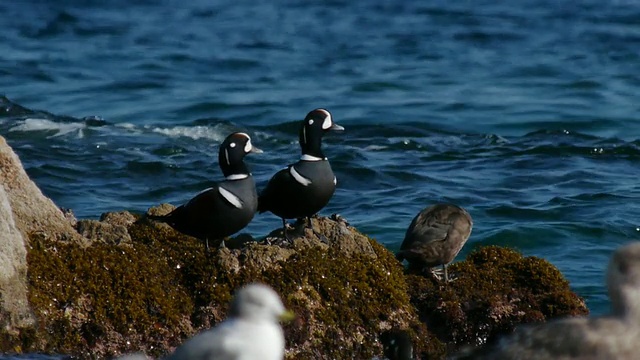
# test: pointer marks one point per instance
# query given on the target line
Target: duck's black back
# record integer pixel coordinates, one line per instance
(288, 198)
(209, 215)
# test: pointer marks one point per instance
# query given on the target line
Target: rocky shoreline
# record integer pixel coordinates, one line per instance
(96, 289)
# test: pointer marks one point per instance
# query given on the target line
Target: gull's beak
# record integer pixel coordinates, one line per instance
(336, 127)
(287, 316)
(255, 150)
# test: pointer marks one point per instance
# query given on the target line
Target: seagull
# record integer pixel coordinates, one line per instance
(251, 330)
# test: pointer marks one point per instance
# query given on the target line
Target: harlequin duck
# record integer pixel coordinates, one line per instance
(302, 189)
(435, 236)
(226, 207)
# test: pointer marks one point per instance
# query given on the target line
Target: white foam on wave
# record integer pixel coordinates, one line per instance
(375, 147)
(35, 124)
(126, 125)
(193, 132)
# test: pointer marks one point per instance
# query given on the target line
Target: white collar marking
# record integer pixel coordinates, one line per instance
(335, 181)
(299, 178)
(307, 157)
(230, 197)
(237, 176)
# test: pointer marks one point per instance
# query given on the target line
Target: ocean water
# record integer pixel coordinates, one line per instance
(527, 114)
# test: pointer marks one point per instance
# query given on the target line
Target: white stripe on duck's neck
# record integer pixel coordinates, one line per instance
(237, 176)
(307, 157)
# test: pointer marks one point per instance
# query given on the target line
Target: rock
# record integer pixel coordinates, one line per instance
(103, 232)
(15, 310)
(70, 216)
(31, 210)
(165, 287)
(335, 232)
(121, 218)
(24, 211)
(345, 288)
(495, 290)
(162, 209)
(111, 229)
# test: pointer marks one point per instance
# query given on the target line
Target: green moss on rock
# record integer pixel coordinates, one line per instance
(152, 293)
(99, 298)
(495, 290)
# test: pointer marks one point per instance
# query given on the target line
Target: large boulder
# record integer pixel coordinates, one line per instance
(31, 210)
(158, 289)
(24, 210)
(495, 290)
(152, 292)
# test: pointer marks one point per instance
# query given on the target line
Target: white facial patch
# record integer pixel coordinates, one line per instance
(310, 121)
(335, 181)
(304, 134)
(232, 145)
(226, 156)
(230, 197)
(248, 146)
(299, 178)
(328, 122)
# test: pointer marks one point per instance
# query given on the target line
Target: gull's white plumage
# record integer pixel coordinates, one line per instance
(252, 330)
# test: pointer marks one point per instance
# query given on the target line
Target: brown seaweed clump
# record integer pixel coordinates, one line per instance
(154, 288)
(153, 292)
(495, 290)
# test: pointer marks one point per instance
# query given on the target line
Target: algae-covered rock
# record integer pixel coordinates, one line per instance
(495, 290)
(163, 287)
(345, 288)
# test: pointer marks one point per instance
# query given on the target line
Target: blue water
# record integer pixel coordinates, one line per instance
(525, 113)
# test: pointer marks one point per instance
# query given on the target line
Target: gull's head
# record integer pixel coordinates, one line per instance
(258, 302)
(623, 281)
